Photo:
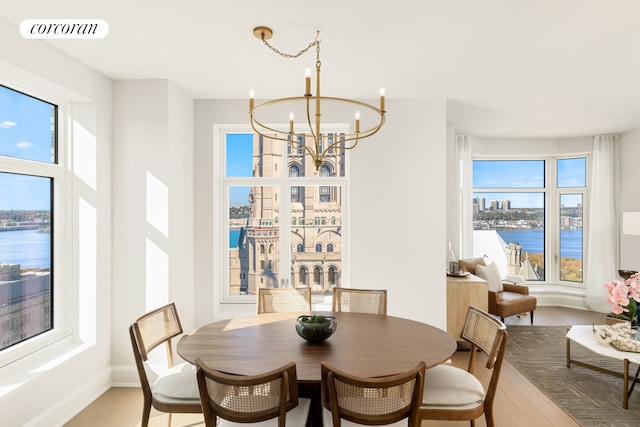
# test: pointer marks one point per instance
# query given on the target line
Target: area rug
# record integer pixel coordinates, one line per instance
(590, 397)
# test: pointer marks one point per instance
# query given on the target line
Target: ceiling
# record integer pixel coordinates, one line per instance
(508, 68)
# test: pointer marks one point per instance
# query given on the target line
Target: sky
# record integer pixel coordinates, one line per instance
(526, 174)
(239, 152)
(25, 132)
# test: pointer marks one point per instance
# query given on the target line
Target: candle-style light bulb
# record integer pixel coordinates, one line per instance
(382, 99)
(357, 121)
(307, 81)
(251, 95)
(291, 123)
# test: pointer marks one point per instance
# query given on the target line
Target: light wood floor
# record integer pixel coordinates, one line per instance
(518, 402)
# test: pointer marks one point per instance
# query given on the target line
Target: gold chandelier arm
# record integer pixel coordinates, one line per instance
(347, 141)
(312, 132)
(353, 137)
(261, 128)
(348, 137)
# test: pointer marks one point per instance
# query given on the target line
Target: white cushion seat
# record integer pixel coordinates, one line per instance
(177, 384)
(450, 388)
(295, 417)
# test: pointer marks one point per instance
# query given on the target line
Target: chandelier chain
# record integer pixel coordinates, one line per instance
(315, 43)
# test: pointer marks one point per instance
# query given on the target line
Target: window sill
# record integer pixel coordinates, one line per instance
(29, 368)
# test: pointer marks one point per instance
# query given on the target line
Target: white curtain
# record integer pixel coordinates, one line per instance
(465, 194)
(602, 245)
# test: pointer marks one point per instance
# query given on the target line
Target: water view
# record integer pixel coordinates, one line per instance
(532, 241)
(29, 248)
(234, 233)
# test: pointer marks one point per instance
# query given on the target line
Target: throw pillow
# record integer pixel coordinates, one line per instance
(491, 274)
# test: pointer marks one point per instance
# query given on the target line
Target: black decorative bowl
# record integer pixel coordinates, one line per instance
(316, 328)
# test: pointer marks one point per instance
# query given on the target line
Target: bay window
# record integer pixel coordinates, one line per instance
(532, 211)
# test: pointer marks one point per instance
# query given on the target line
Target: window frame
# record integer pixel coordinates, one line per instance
(552, 194)
(61, 223)
(220, 208)
(557, 194)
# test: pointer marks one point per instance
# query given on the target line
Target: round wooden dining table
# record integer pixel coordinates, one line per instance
(363, 344)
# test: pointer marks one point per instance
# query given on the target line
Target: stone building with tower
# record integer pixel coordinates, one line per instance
(518, 267)
(315, 229)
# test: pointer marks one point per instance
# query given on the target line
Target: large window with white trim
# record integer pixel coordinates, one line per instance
(282, 220)
(528, 215)
(29, 174)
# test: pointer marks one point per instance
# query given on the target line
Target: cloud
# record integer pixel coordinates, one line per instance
(7, 124)
(23, 145)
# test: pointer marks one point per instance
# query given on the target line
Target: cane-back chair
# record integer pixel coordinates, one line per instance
(350, 400)
(452, 393)
(170, 388)
(270, 399)
(372, 301)
(276, 300)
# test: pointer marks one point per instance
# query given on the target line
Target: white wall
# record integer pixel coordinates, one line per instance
(47, 387)
(629, 197)
(153, 230)
(397, 210)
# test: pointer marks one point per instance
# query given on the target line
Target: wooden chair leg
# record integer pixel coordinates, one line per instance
(488, 415)
(146, 413)
(532, 317)
(169, 419)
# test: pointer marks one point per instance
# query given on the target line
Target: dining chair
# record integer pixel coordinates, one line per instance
(275, 300)
(270, 399)
(170, 388)
(372, 301)
(349, 400)
(452, 393)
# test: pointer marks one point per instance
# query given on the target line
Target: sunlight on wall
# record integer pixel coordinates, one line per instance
(157, 276)
(157, 204)
(87, 270)
(84, 155)
(157, 259)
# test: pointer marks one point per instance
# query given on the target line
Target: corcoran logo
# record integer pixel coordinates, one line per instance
(64, 28)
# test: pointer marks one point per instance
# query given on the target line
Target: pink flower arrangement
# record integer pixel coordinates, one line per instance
(622, 296)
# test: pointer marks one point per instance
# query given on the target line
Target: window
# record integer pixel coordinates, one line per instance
(572, 182)
(331, 277)
(28, 172)
(302, 276)
(533, 210)
(267, 233)
(294, 171)
(325, 192)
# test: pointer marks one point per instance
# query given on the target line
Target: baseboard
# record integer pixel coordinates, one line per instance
(70, 405)
(124, 376)
(560, 297)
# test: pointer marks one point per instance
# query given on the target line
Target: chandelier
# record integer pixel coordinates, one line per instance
(316, 140)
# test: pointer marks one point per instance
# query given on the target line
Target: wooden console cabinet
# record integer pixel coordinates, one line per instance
(461, 293)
